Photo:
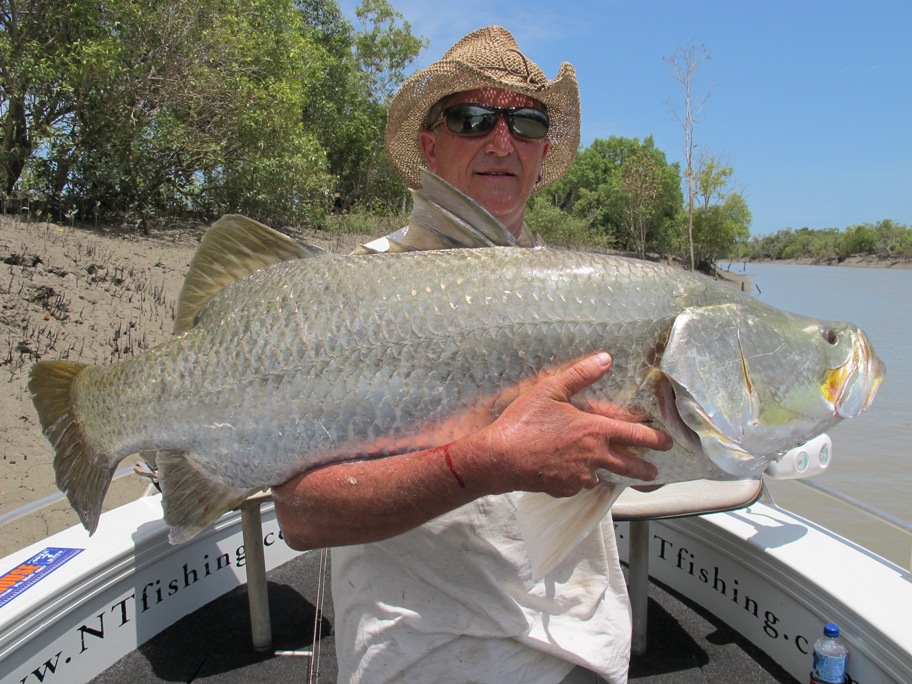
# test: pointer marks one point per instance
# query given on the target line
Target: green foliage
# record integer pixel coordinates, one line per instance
(132, 109)
(892, 240)
(50, 51)
(365, 224)
(559, 228)
(719, 228)
(885, 239)
(624, 191)
(721, 220)
(384, 48)
(346, 107)
(857, 240)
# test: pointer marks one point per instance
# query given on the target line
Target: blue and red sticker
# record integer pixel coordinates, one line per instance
(36, 568)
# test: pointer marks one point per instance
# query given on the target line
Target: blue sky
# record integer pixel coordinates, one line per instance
(810, 102)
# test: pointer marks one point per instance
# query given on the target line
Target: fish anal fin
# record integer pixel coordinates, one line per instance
(191, 500)
(233, 248)
(552, 527)
(83, 473)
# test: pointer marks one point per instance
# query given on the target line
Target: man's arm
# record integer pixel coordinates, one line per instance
(541, 443)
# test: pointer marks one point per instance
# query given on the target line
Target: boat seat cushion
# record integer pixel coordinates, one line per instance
(681, 499)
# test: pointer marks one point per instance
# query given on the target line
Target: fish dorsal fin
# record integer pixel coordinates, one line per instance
(233, 248)
(453, 219)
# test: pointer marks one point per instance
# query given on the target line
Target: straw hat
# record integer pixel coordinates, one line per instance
(486, 58)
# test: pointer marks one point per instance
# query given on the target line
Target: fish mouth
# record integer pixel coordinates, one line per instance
(851, 387)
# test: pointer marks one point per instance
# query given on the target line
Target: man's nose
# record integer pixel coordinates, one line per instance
(500, 140)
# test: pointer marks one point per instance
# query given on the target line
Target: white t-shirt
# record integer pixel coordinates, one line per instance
(454, 601)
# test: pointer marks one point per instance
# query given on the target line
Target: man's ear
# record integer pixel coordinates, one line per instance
(428, 141)
(544, 154)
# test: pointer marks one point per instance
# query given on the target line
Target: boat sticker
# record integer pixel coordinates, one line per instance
(29, 572)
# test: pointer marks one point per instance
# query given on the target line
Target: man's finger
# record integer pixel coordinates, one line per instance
(620, 462)
(609, 410)
(580, 375)
(638, 435)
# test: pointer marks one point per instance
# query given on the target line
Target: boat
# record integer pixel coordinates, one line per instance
(737, 595)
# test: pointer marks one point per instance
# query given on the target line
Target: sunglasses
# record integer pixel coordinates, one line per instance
(475, 120)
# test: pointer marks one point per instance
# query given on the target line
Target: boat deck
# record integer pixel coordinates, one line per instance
(686, 645)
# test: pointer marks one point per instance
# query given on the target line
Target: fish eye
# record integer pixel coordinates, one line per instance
(829, 335)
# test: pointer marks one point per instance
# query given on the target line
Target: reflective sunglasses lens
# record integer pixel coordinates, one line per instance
(528, 123)
(470, 119)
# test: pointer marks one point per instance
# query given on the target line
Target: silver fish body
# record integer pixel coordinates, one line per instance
(330, 358)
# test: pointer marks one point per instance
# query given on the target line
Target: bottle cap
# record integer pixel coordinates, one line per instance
(831, 630)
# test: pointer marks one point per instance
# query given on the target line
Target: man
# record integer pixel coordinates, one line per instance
(432, 582)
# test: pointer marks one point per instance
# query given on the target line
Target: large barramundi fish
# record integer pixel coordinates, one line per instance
(286, 359)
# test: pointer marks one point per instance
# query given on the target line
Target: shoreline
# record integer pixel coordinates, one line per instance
(858, 261)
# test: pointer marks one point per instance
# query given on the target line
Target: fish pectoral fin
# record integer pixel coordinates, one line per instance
(191, 500)
(233, 248)
(552, 527)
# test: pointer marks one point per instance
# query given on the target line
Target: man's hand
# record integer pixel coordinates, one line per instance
(544, 443)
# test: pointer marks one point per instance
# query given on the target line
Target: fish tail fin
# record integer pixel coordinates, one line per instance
(552, 527)
(83, 473)
(190, 499)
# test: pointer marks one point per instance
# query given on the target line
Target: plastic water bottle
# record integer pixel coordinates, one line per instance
(830, 656)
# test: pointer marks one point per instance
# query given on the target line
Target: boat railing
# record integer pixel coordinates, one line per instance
(882, 516)
(50, 499)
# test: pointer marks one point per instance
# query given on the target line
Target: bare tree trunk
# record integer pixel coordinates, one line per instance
(17, 145)
(685, 62)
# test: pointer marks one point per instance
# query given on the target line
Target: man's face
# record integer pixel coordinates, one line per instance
(497, 170)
